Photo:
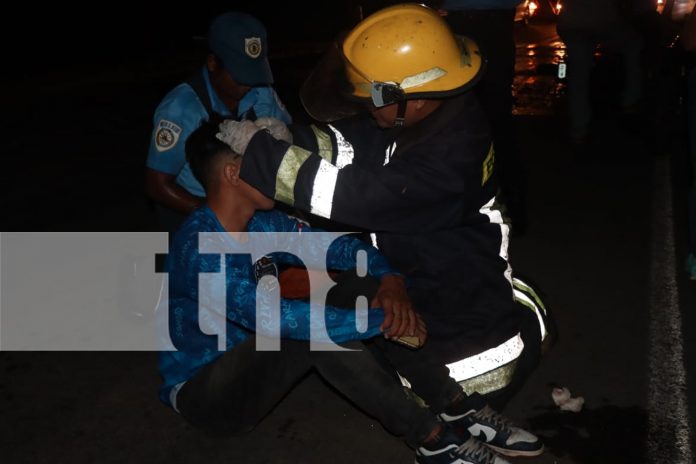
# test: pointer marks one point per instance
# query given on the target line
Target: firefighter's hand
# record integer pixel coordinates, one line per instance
(275, 127)
(399, 317)
(237, 134)
(417, 340)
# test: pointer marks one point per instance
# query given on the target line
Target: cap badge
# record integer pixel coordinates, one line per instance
(252, 46)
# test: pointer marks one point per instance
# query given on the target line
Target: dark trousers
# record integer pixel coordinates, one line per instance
(424, 370)
(232, 394)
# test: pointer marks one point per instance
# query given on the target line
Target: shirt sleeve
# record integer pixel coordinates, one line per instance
(392, 197)
(176, 117)
(293, 319)
(209, 301)
(341, 254)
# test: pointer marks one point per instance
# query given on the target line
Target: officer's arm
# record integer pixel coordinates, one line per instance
(162, 188)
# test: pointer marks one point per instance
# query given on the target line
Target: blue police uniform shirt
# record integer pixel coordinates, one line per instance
(181, 112)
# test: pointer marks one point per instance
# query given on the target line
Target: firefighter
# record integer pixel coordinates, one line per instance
(407, 155)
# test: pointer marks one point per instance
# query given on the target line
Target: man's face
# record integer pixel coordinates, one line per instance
(385, 115)
(257, 199)
(229, 90)
(416, 110)
(226, 86)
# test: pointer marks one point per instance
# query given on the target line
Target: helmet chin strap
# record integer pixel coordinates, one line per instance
(400, 113)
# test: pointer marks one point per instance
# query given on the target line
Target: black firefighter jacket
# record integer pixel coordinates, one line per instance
(427, 192)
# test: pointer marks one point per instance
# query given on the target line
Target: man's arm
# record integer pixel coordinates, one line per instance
(388, 198)
(213, 301)
(179, 113)
(391, 296)
(162, 188)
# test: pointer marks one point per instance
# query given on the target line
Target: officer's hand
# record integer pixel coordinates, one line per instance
(237, 134)
(399, 317)
(276, 127)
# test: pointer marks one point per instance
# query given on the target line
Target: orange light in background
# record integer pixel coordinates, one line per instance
(555, 5)
(532, 8)
(660, 6)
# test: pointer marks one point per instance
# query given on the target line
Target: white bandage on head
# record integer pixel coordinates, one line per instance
(237, 134)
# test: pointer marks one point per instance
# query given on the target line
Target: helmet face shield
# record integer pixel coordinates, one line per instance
(326, 93)
(380, 93)
(386, 93)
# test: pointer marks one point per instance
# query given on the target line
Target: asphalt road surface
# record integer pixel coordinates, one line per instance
(605, 244)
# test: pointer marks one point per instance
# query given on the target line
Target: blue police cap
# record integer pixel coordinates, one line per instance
(239, 41)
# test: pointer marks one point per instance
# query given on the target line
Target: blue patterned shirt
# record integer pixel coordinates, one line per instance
(187, 308)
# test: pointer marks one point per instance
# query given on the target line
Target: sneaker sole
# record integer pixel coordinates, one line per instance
(514, 454)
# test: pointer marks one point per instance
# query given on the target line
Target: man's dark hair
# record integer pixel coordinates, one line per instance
(203, 149)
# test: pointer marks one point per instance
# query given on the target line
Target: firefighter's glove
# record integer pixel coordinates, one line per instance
(237, 134)
(276, 127)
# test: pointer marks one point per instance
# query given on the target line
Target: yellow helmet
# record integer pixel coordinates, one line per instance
(408, 51)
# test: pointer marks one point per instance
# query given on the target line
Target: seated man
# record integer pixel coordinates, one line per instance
(229, 391)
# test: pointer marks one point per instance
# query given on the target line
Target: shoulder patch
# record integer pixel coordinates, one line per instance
(166, 135)
(488, 164)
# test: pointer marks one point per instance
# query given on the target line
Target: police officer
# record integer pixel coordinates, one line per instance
(416, 166)
(235, 81)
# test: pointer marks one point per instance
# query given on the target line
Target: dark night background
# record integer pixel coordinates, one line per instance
(80, 85)
(59, 36)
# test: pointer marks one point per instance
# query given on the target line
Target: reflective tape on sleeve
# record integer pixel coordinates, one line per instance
(495, 216)
(520, 297)
(530, 292)
(373, 240)
(323, 189)
(345, 149)
(286, 177)
(323, 143)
